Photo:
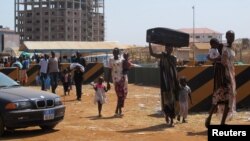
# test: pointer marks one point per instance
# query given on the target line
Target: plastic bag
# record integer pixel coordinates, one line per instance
(74, 65)
(47, 83)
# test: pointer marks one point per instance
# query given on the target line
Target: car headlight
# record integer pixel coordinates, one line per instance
(58, 101)
(20, 105)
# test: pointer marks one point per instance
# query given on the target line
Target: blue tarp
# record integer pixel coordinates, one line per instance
(201, 57)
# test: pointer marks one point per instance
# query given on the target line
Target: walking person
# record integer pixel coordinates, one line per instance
(53, 71)
(228, 60)
(24, 77)
(184, 95)
(169, 82)
(226, 94)
(78, 79)
(80, 60)
(66, 80)
(43, 71)
(100, 94)
(118, 79)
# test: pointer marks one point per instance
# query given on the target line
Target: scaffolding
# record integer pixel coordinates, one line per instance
(60, 20)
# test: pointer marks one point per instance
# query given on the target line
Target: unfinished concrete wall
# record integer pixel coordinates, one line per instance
(60, 20)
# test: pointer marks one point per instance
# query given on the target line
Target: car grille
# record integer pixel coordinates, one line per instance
(44, 103)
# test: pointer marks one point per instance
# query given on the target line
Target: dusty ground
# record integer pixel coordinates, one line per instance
(140, 122)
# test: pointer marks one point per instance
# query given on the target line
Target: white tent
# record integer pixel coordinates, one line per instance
(67, 46)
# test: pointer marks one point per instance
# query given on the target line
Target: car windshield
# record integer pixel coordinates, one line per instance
(6, 81)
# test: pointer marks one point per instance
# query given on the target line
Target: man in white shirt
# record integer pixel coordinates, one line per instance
(43, 70)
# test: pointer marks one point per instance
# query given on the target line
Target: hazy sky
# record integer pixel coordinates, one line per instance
(126, 21)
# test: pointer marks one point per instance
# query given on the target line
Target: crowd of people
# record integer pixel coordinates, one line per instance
(173, 87)
(22, 63)
(51, 73)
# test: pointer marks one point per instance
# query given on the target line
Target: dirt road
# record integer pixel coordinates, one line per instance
(141, 121)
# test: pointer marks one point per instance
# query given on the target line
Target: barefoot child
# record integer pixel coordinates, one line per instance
(184, 93)
(100, 96)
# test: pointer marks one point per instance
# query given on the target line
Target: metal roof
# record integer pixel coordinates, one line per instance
(40, 46)
(203, 46)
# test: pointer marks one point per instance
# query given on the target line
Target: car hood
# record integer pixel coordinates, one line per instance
(21, 93)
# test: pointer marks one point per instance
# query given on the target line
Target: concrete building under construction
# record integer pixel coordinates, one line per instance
(60, 20)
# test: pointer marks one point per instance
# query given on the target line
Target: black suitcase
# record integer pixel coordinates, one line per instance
(166, 36)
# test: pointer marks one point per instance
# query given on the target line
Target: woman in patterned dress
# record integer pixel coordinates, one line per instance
(228, 60)
(226, 94)
(120, 81)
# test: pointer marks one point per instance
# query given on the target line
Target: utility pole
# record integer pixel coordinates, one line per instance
(193, 33)
(193, 22)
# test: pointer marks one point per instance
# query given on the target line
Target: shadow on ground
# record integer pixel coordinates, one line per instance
(156, 115)
(100, 118)
(160, 127)
(18, 134)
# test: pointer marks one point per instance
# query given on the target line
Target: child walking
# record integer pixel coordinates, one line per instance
(66, 80)
(100, 96)
(184, 93)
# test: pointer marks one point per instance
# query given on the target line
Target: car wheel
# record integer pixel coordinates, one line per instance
(48, 127)
(1, 126)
